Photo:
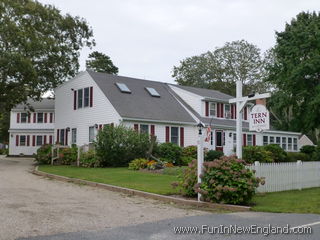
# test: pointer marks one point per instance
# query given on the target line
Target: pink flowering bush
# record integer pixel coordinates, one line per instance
(226, 180)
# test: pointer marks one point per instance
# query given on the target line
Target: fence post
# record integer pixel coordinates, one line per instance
(299, 164)
(78, 157)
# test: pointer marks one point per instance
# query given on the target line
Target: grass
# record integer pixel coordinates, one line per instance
(304, 201)
(148, 182)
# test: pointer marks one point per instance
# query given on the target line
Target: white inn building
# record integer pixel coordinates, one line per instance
(86, 103)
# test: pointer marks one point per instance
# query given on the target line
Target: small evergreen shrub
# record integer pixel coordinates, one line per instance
(256, 153)
(43, 155)
(316, 155)
(137, 164)
(295, 156)
(68, 156)
(169, 152)
(277, 153)
(190, 151)
(4, 151)
(89, 159)
(308, 149)
(212, 155)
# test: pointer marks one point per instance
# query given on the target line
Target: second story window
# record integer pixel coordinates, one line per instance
(80, 98)
(24, 117)
(86, 97)
(212, 111)
(227, 111)
(83, 98)
(40, 118)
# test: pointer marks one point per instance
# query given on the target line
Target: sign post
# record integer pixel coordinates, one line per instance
(200, 155)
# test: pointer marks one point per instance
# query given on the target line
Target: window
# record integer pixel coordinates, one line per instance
(22, 140)
(249, 140)
(271, 140)
(227, 112)
(153, 92)
(123, 88)
(23, 117)
(212, 111)
(289, 144)
(295, 144)
(144, 128)
(175, 135)
(284, 143)
(265, 140)
(80, 98)
(278, 140)
(74, 136)
(91, 134)
(39, 140)
(62, 136)
(219, 139)
(40, 118)
(234, 139)
(86, 97)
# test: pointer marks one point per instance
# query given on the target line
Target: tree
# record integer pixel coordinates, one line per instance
(100, 62)
(295, 73)
(221, 68)
(39, 49)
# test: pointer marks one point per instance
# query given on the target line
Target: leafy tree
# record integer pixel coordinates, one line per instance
(4, 127)
(221, 68)
(295, 73)
(39, 49)
(100, 62)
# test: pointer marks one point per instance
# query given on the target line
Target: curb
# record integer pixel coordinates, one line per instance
(163, 198)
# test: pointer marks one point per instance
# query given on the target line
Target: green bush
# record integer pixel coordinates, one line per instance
(44, 154)
(4, 151)
(185, 160)
(316, 155)
(256, 153)
(295, 156)
(277, 153)
(169, 152)
(117, 146)
(137, 164)
(68, 156)
(190, 151)
(212, 155)
(226, 180)
(308, 149)
(89, 159)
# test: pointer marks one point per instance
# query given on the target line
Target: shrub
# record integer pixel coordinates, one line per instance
(226, 180)
(190, 151)
(308, 149)
(185, 160)
(295, 156)
(68, 156)
(117, 146)
(169, 152)
(44, 154)
(277, 153)
(316, 155)
(256, 153)
(4, 151)
(174, 171)
(138, 164)
(89, 159)
(212, 155)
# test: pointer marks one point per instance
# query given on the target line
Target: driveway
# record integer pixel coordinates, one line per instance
(35, 206)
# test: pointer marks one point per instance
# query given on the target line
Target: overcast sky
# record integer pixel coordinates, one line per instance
(146, 38)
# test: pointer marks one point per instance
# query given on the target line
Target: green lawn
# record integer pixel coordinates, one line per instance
(304, 201)
(148, 182)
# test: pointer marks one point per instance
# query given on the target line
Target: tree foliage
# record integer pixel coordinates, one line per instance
(295, 72)
(100, 62)
(39, 49)
(221, 68)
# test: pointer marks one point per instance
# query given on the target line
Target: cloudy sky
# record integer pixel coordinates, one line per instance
(146, 38)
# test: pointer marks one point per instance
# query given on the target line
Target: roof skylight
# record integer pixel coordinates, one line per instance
(153, 92)
(123, 88)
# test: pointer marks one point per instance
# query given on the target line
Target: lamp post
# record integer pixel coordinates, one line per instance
(200, 154)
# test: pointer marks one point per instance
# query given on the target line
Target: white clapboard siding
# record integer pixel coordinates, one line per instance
(287, 176)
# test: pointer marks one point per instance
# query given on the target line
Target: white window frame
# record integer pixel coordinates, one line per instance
(227, 113)
(144, 125)
(74, 136)
(39, 136)
(25, 141)
(210, 109)
(92, 137)
(250, 142)
(178, 137)
(38, 117)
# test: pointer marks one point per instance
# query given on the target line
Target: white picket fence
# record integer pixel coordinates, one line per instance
(287, 176)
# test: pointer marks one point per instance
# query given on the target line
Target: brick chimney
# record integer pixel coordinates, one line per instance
(262, 101)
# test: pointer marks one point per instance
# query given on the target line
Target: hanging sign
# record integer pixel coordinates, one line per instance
(259, 118)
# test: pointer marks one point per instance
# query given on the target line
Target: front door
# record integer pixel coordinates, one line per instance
(219, 140)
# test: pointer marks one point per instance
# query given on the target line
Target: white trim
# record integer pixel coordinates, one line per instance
(157, 121)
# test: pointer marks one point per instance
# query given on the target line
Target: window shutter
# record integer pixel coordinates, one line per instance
(254, 139)
(232, 109)
(28, 140)
(235, 111)
(167, 134)
(58, 136)
(181, 137)
(50, 139)
(152, 130)
(207, 109)
(33, 140)
(45, 139)
(18, 117)
(222, 110)
(245, 111)
(100, 126)
(136, 127)
(51, 117)
(34, 117)
(17, 140)
(218, 110)
(45, 117)
(74, 100)
(66, 138)
(244, 140)
(91, 96)
(29, 117)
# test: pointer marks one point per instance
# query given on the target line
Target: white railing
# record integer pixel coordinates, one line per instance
(287, 176)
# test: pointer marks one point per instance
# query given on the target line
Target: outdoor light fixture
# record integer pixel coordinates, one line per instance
(200, 127)
(251, 95)
(96, 125)
(230, 134)
(68, 129)
(72, 89)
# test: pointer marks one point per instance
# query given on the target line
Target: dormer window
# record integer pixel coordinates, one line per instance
(123, 88)
(212, 109)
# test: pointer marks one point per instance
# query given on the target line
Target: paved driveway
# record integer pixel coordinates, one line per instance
(33, 206)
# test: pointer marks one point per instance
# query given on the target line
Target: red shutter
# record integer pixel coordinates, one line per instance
(45, 139)
(33, 140)
(45, 117)
(29, 117)
(232, 109)
(136, 127)
(244, 140)
(28, 140)
(222, 110)
(51, 117)
(218, 109)
(167, 133)
(34, 117)
(58, 136)
(91, 96)
(50, 139)
(245, 113)
(235, 111)
(66, 138)
(152, 130)
(181, 137)
(207, 109)
(74, 100)
(17, 140)
(100, 126)
(254, 139)
(18, 117)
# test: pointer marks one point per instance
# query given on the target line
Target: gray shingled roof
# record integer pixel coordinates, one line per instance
(139, 104)
(45, 103)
